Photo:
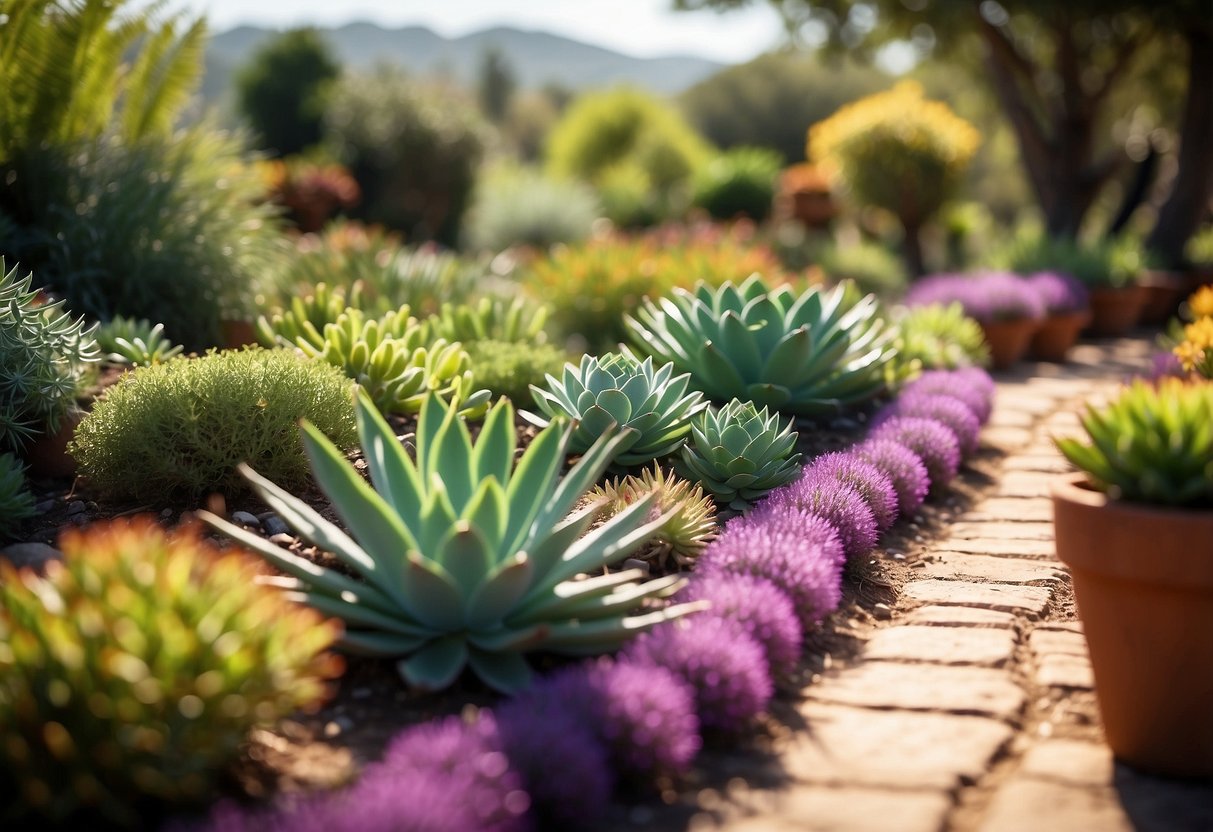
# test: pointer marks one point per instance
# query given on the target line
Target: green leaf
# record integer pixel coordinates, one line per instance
(393, 473)
(494, 453)
(437, 665)
(466, 557)
(501, 592)
(377, 644)
(431, 595)
(505, 672)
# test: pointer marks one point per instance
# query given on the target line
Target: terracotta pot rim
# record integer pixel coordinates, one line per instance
(1073, 316)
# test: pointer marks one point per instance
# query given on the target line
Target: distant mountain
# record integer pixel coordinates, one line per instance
(536, 58)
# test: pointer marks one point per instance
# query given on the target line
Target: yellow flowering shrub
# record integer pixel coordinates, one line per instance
(1195, 352)
(897, 151)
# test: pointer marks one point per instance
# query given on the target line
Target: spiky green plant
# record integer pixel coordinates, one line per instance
(393, 360)
(468, 558)
(16, 501)
(690, 515)
(491, 318)
(940, 337)
(306, 316)
(739, 453)
(619, 388)
(135, 341)
(810, 353)
(1153, 444)
(135, 668)
(43, 356)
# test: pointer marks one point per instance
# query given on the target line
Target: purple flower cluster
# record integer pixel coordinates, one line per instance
(1061, 293)
(873, 485)
(904, 469)
(934, 444)
(838, 504)
(761, 608)
(951, 412)
(724, 666)
(985, 296)
(959, 384)
(797, 551)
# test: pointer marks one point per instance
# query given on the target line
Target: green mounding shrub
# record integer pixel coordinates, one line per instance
(1153, 444)
(75, 71)
(131, 674)
(521, 206)
(938, 337)
(16, 501)
(135, 341)
(163, 229)
(491, 318)
(738, 182)
(629, 199)
(509, 368)
(43, 356)
(1107, 262)
(414, 150)
(179, 429)
(469, 554)
(376, 272)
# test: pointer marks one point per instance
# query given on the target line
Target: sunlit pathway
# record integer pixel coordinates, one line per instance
(972, 709)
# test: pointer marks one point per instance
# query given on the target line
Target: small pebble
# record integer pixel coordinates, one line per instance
(636, 563)
(273, 524)
(166, 514)
(881, 612)
(918, 565)
(34, 555)
(76, 507)
(896, 555)
(282, 539)
(45, 506)
(243, 518)
(91, 506)
(361, 693)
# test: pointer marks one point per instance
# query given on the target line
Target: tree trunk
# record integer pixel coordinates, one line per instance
(1181, 214)
(911, 251)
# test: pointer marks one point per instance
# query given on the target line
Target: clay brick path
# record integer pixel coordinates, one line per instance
(971, 709)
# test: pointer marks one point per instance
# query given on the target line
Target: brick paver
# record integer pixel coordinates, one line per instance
(944, 720)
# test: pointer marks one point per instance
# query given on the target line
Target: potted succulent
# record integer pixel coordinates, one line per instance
(1136, 530)
(1005, 306)
(1068, 311)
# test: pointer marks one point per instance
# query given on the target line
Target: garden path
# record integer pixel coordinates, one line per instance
(972, 708)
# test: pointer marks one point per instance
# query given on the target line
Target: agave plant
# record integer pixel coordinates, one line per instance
(738, 453)
(467, 558)
(810, 353)
(1151, 445)
(619, 388)
(135, 341)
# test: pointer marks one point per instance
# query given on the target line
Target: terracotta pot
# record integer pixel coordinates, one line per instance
(1163, 291)
(1116, 311)
(814, 209)
(236, 334)
(1008, 340)
(1143, 579)
(47, 455)
(1057, 333)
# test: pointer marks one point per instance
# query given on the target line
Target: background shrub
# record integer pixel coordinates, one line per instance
(1104, 262)
(520, 206)
(283, 90)
(413, 150)
(739, 182)
(180, 428)
(509, 368)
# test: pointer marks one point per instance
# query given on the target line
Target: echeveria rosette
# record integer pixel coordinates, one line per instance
(617, 388)
(810, 353)
(1153, 444)
(467, 558)
(739, 453)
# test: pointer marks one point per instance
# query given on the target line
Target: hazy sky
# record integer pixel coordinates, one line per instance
(637, 27)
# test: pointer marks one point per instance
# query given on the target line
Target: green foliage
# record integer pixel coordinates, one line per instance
(468, 557)
(810, 353)
(414, 152)
(284, 88)
(376, 272)
(1153, 444)
(43, 354)
(769, 101)
(16, 501)
(133, 671)
(72, 72)
(307, 316)
(628, 197)
(937, 337)
(873, 267)
(509, 368)
(1199, 249)
(604, 130)
(897, 151)
(494, 317)
(618, 389)
(592, 286)
(521, 206)
(1106, 262)
(739, 182)
(394, 360)
(496, 87)
(135, 341)
(163, 229)
(690, 515)
(181, 427)
(739, 453)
